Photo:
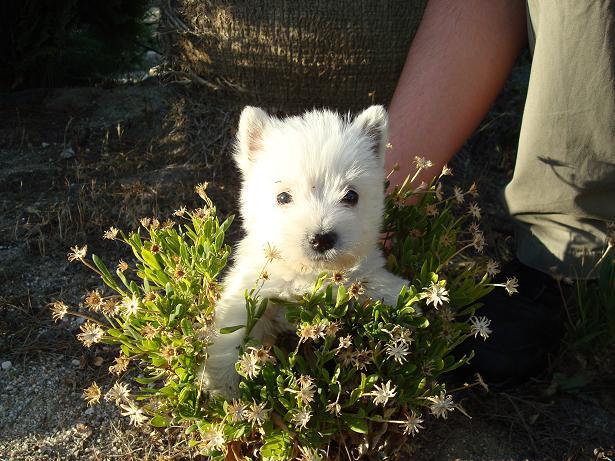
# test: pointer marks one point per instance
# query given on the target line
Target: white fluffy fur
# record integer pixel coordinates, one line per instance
(316, 158)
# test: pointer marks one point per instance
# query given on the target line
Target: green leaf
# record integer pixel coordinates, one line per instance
(185, 394)
(150, 259)
(191, 429)
(151, 379)
(261, 308)
(106, 275)
(276, 446)
(186, 326)
(227, 330)
(370, 381)
(342, 296)
(354, 396)
(356, 423)
(159, 421)
(233, 433)
(115, 333)
(281, 356)
(101, 265)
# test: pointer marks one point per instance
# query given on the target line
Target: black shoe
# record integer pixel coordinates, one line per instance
(527, 329)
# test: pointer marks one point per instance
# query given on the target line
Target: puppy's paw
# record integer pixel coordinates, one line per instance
(220, 378)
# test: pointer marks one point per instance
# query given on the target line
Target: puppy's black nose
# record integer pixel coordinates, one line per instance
(323, 242)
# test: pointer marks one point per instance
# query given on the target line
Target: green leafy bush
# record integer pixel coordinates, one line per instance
(358, 376)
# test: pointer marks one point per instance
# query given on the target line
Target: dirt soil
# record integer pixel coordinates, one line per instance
(75, 161)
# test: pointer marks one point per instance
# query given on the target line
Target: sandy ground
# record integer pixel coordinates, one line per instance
(75, 161)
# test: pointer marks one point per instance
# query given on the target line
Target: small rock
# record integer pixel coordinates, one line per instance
(75, 362)
(6, 365)
(67, 153)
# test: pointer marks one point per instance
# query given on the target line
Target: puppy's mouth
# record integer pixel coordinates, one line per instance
(328, 255)
(331, 259)
(320, 257)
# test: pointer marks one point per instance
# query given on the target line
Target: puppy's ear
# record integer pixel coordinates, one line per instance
(252, 123)
(373, 123)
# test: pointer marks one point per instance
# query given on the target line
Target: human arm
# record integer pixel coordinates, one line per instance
(458, 62)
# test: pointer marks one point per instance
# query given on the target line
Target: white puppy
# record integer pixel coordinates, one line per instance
(313, 189)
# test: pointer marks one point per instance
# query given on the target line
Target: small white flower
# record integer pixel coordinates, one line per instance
(111, 234)
(248, 365)
(438, 191)
(272, 253)
(130, 305)
(58, 310)
(90, 334)
(261, 354)
(305, 381)
(399, 333)
(492, 268)
(346, 356)
(256, 413)
(214, 438)
(397, 350)
(205, 334)
(474, 227)
(92, 394)
(459, 198)
(431, 209)
(309, 454)
(441, 405)
(511, 285)
(338, 277)
(474, 210)
(421, 187)
(361, 358)
(356, 289)
(201, 188)
(306, 389)
(345, 342)
(306, 394)
(236, 410)
(480, 326)
(478, 241)
(436, 294)
(332, 329)
(306, 331)
(134, 413)
(473, 190)
(412, 424)
(302, 417)
(383, 393)
(422, 163)
(320, 330)
(118, 393)
(78, 254)
(447, 314)
(334, 408)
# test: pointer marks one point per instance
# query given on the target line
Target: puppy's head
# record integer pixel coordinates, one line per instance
(313, 185)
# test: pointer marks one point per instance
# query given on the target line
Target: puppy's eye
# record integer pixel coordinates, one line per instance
(351, 198)
(284, 198)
